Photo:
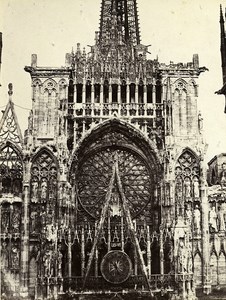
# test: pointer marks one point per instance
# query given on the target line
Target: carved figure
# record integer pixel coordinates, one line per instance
(197, 219)
(4, 255)
(188, 214)
(200, 122)
(60, 257)
(5, 222)
(34, 189)
(196, 187)
(221, 213)
(15, 258)
(43, 189)
(182, 258)
(16, 220)
(187, 188)
(47, 261)
(213, 219)
(33, 221)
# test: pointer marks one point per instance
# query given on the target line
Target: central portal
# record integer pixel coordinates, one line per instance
(116, 240)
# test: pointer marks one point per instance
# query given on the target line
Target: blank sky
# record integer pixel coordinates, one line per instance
(176, 29)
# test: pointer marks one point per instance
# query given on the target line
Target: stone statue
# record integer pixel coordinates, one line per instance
(47, 262)
(221, 214)
(187, 188)
(60, 192)
(4, 256)
(33, 221)
(197, 219)
(60, 257)
(196, 187)
(34, 191)
(200, 122)
(182, 258)
(15, 257)
(5, 222)
(44, 189)
(213, 219)
(16, 220)
(188, 214)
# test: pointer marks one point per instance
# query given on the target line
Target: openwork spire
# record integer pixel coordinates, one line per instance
(9, 127)
(126, 15)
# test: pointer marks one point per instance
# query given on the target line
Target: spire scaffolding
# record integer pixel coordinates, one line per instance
(126, 14)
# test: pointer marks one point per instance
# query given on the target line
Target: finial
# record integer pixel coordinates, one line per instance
(10, 92)
(96, 37)
(78, 47)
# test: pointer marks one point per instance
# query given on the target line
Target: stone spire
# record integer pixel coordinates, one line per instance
(222, 91)
(9, 126)
(223, 45)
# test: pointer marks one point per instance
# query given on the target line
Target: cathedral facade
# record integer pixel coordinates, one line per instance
(106, 197)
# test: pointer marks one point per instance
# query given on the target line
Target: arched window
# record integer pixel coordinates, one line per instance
(114, 93)
(149, 93)
(88, 91)
(187, 174)
(158, 91)
(106, 91)
(11, 171)
(132, 92)
(43, 191)
(123, 91)
(97, 92)
(141, 92)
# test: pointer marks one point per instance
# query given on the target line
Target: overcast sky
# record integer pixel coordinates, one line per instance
(176, 29)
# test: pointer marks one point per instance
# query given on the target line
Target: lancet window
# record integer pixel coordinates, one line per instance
(97, 92)
(114, 93)
(43, 190)
(79, 92)
(106, 91)
(132, 92)
(88, 91)
(149, 93)
(141, 92)
(123, 91)
(187, 195)
(158, 91)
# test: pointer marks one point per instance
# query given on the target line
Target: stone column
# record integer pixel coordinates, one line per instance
(154, 103)
(127, 93)
(110, 94)
(84, 92)
(161, 252)
(101, 97)
(205, 231)
(149, 251)
(25, 241)
(69, 254)
(92, 99)
(145, 99)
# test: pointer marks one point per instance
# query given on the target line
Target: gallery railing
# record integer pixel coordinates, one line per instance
(150, 110)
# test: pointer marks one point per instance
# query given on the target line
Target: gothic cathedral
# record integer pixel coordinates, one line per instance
(105, 197)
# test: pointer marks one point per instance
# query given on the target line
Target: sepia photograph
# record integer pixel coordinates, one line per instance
(112, 150)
